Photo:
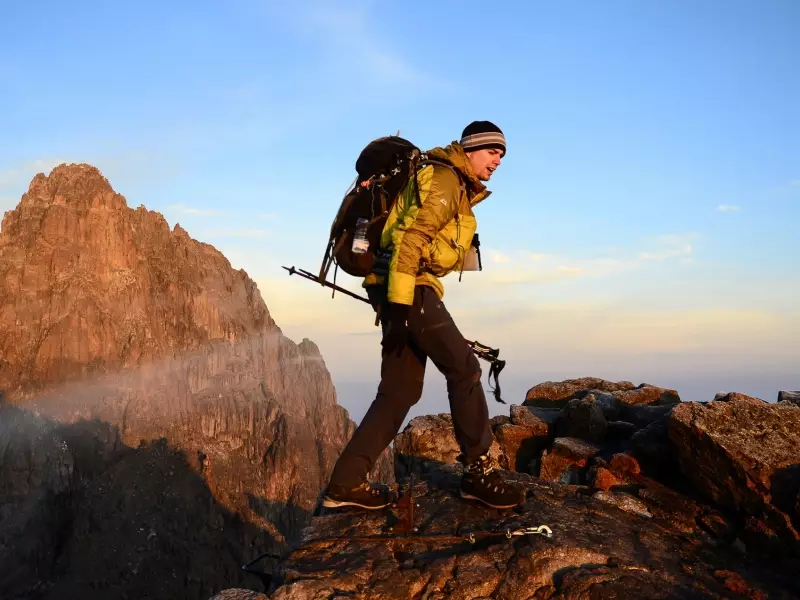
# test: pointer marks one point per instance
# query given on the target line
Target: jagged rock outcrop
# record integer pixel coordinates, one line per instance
(604, 544)
(558, 394)
(431, 437)
(83, 515)
(620, 529)
(109, 316)
(744, 454)
(788, 397)
(558, 444)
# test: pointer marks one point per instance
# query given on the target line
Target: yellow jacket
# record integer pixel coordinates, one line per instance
(427, 236)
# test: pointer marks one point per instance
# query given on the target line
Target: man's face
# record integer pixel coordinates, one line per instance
(484, 162)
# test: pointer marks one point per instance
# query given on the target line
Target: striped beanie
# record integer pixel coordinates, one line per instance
(482, 134)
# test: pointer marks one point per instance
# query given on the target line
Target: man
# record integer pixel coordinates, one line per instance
(426, 236)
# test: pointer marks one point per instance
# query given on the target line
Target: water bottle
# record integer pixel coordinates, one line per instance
(360, 242)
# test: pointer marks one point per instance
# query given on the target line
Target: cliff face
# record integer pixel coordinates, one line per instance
(108, 315)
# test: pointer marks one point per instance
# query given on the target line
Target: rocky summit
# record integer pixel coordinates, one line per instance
(158, 433)
(629, 493)
(157, 429)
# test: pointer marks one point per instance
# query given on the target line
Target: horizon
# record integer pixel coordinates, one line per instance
(642, 226)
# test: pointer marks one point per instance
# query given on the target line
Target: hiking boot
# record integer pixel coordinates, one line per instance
(482, 482)
(366, 495)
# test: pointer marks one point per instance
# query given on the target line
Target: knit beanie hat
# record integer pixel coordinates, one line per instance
(482, 134)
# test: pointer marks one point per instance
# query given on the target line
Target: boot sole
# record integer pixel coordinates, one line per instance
(330, 503)
(471, 497)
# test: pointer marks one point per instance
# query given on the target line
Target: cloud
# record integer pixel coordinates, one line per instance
(198, 212)
(500, 258)
(580, 332)
(789, 187)
(356, 39)
(559, 273)
(526, 267)
(670, 246)
(728, 208)
(538, 256)
(684, 250)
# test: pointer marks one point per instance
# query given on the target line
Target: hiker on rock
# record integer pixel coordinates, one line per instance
(424, 238)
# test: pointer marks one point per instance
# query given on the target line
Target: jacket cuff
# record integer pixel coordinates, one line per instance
(401, 288)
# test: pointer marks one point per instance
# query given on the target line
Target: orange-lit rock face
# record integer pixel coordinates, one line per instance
(107, 314)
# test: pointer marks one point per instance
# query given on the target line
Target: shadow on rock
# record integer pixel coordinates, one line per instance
(604, 544)
(288, 518)
(786, 492)
(85, 516)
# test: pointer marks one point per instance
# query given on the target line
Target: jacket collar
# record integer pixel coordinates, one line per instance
(454, 154)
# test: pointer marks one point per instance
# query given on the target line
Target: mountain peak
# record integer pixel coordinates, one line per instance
(74, 184)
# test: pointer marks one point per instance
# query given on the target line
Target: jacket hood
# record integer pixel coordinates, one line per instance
(454, 154)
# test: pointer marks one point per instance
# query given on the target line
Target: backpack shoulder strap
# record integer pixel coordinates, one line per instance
(441, 163)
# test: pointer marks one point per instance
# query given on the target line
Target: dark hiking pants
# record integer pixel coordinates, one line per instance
(434, 335)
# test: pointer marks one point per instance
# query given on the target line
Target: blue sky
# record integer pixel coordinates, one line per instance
(643, 225)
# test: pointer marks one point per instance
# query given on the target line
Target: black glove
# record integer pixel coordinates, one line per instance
(395, 335)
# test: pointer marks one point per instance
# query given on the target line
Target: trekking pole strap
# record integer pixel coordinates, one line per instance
(496, 365)
(494, 371)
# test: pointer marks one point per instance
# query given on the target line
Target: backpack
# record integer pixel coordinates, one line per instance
(384, 167)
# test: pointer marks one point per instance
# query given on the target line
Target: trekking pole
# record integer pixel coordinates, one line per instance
(324, 282)
(482, 351)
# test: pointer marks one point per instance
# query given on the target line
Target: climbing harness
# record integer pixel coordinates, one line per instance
(482, 351)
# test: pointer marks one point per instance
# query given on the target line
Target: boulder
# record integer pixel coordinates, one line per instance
(620, 430)
(647, 394)
(556, 394)
(643, 415)
(518, 446)
(743, 454)
(625, 466)
(567, 460)
(651, 445)
(541, 421)
(623, 470)
(730, 396)
(583, 418)
(431, 439)
(601, 478)
(789, 397)
(498, 420)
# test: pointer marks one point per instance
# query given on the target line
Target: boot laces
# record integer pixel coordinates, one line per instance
(368, 487)
(482, 466)
(484, 470)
